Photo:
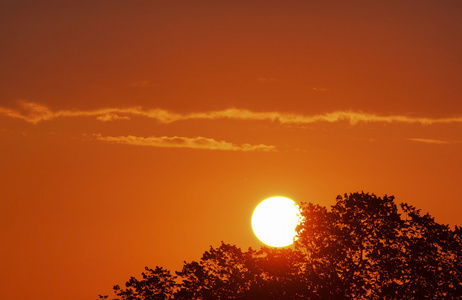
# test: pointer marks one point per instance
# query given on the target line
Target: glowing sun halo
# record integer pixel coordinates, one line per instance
(274, 221)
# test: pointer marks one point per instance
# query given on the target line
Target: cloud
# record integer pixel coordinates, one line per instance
(111, 117)
(429, 141)
(36, 113)
(183, 142)
(32, 112)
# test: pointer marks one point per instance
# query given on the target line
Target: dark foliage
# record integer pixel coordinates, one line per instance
(364, 247)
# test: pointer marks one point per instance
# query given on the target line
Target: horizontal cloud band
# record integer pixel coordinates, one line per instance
(430, 141)
(183, 142)
(35, 113)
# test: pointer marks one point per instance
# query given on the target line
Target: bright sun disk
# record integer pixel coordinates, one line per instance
(274, 221)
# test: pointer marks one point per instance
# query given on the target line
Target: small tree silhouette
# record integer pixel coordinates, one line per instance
(157, 284)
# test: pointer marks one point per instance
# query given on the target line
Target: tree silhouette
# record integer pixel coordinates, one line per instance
(364, 247)
(228, 273)
(157, 284)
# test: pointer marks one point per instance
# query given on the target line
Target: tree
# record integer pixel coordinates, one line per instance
(157, 284)
(227, 272)
(364, 247)
(222, 273)
(432, 258)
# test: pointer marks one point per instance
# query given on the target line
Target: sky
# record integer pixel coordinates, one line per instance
(139, 133)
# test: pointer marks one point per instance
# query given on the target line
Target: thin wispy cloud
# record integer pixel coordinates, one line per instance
(429, 141)
(112, 117)
(35, 113)
(183, 142)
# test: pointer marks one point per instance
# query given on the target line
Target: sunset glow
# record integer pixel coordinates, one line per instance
(137, 133)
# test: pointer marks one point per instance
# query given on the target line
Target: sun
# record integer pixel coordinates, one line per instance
(274, 221)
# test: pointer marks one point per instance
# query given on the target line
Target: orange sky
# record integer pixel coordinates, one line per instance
(138, 133)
